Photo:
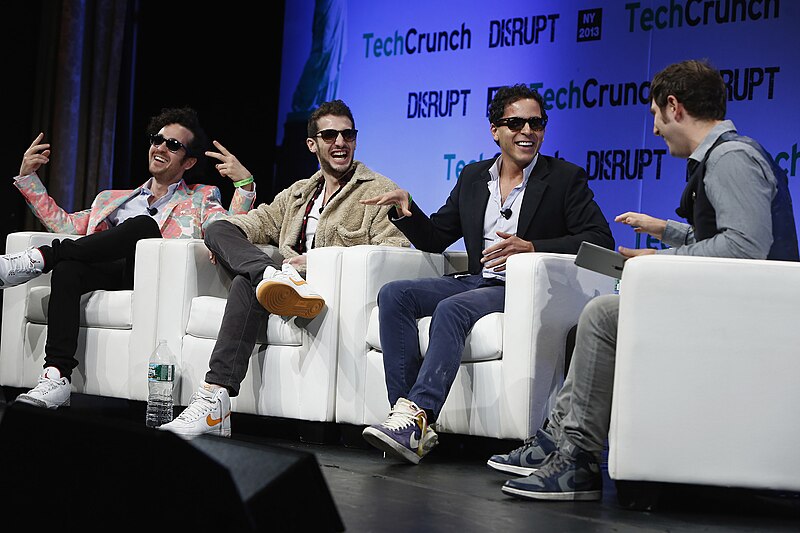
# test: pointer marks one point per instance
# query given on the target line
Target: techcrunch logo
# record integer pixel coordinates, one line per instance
(699, 13)
(415, 42)
(742, 84)
(623, 165)
(788, 160)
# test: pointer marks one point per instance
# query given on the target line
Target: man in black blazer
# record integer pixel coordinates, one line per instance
(520, 201)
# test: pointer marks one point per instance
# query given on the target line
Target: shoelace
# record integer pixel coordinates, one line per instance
(399, 419)
(21, 264)
(45, 385)
(199, 406)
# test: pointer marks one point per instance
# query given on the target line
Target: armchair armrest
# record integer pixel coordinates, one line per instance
(707, 347)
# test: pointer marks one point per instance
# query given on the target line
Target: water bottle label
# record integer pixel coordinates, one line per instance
(156, 372)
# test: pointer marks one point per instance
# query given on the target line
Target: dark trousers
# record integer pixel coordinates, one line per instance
(244, 317)
(101, 261)
(454, 305)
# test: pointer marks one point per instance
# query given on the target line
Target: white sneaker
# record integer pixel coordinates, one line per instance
(208, 413)
(16, 269)
(52, 391)
(284, 292)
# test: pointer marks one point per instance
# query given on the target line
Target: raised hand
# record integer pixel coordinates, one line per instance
(228, 165)
(35, 156)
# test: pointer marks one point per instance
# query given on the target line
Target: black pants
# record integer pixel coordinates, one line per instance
(101, 261)
(244, 317)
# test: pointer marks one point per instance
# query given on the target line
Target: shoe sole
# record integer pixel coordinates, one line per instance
(28, 400)
(589, 495)
(280, 299)
(511, 469)
(226, 433)
(384, 442)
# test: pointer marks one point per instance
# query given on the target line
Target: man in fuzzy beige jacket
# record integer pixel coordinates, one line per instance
(323, 210)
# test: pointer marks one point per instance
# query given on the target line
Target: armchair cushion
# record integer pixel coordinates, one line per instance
(99, 309)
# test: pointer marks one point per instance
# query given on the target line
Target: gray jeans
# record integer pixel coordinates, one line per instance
(582, 412)
(244, 317)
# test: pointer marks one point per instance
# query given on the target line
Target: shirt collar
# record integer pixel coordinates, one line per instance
(701, 150)
(494, 170)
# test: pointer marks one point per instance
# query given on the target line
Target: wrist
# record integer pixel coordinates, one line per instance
(242, 183)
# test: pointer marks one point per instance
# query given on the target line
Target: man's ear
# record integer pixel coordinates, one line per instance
(189, 162)
(312, 146)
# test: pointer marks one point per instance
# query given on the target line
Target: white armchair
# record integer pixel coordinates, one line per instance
(116, 336)
(707, 381)
(292, 372)
(513, 363)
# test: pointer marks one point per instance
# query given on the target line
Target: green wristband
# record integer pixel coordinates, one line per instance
(246, 181)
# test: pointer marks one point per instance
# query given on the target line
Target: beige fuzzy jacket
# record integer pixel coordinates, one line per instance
(344, 222)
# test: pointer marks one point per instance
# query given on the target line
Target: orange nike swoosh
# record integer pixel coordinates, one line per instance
(214, 421)
(298, 283)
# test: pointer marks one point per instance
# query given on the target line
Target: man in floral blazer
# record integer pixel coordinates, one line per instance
(103, 259)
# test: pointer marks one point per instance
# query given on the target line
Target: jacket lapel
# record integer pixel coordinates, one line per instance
(534, 191)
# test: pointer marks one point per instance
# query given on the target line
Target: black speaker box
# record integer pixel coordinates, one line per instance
(71, 469)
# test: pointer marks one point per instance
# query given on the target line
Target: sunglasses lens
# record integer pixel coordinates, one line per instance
(515, 123)
(329, 135)
(537, 123)
(156, 139)
(173, 145)
(349, 135)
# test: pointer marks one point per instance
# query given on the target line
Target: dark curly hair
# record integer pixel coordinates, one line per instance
(696, 84)
(189, 119)
(336, 108)
(510, 94)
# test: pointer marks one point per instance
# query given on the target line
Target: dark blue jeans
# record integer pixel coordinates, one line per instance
(454, 305)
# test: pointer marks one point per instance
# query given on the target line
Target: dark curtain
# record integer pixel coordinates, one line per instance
(83, 55)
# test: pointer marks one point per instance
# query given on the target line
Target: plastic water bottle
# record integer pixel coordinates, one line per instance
(160, 380)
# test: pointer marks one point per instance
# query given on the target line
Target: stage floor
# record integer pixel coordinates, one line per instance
(453, 490)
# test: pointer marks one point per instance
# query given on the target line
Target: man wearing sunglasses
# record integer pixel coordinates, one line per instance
(738, 204)
(520, 201)
(164, 206)
(323, 210)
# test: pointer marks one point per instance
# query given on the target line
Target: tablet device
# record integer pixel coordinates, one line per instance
(600, 259)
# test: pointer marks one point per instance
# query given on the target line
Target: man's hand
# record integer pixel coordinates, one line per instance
(298, 262)
(635, 252)
(398, 197)
(496, 255)
(229, 166)
(212, 257)
(35, 156)
(643, 223)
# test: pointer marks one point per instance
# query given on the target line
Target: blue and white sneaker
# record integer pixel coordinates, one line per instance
(526, 459)
(405, 433)
(562, 477)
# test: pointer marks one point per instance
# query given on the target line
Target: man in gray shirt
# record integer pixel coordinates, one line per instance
(737, 204)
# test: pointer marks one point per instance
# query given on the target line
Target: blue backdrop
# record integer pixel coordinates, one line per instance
(418, 76)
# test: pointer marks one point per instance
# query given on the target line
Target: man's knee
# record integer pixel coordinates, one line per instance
(66, 272)
(393, 291)
(600, 309)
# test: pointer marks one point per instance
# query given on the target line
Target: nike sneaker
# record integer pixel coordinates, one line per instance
(52, 391)
(405, 433)
(526, 459)
(18, 268)
(564, 476)
(208, 413)
(284, 292)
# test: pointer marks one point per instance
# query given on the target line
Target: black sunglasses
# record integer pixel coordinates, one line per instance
(517, 123)
(349, 135)
(173, 145)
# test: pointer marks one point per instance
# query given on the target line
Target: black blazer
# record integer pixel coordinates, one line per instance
(558, 212)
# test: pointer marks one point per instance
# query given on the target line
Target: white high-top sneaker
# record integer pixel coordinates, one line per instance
(208, 412)
(16, 269)
(52, 391)
(284, 292)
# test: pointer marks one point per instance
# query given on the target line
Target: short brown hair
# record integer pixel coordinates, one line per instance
(696, 84)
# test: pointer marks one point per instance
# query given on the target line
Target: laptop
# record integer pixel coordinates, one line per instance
(600, 260)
